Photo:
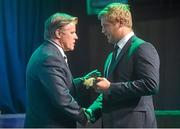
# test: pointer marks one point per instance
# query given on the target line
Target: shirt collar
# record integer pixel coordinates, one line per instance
(124, 40)
(59, 48)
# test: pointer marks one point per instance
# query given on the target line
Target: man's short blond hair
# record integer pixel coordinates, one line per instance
(117, 12)
(56, 21)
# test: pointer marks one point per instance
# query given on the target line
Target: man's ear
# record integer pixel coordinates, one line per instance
(57, 34)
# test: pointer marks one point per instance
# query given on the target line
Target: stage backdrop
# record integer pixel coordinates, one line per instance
(21, 32)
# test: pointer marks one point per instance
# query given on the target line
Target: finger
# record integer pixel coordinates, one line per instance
(99, 79)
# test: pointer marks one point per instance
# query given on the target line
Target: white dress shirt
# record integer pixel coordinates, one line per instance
(123, 42)
(60, 49)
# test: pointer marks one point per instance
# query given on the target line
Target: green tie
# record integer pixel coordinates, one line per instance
(115, 51)
(114, 55)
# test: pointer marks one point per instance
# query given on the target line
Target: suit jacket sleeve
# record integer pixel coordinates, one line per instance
(77, 82)
(146, 73)
(54, 77)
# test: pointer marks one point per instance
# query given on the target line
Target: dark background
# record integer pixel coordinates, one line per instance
(21, 32)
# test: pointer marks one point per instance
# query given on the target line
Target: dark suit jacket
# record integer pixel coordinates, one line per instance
(50, 91)
(134, 79)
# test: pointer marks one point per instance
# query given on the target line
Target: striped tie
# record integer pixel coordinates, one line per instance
(65, 58)
(115, 51)
(113, 59)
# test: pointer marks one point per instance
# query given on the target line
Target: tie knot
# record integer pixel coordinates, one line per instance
(65, 58)
(115, 52)
(116, 47)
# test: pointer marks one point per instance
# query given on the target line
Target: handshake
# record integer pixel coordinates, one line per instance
(90, 79)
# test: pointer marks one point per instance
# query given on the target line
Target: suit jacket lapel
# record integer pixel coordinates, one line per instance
(121, 54)
(59, 55)
(107, 63)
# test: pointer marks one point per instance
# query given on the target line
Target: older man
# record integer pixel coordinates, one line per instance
(51, 90)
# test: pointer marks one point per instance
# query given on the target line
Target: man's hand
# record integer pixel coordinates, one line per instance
(102, 84)
(89, 115)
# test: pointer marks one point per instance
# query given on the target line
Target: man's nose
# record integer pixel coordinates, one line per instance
(76, 37)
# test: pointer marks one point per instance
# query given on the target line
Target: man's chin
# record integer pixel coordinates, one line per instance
(70, 49)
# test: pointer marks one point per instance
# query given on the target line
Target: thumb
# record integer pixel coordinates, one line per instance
(99, 78)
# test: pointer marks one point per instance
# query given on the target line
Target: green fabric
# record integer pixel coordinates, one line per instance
(97, 104)
(89, 114)
(80, 80)
(167, 112)
(94, 73)
(96, 108)
(135, 45)
(77, 81)
(106, 64)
